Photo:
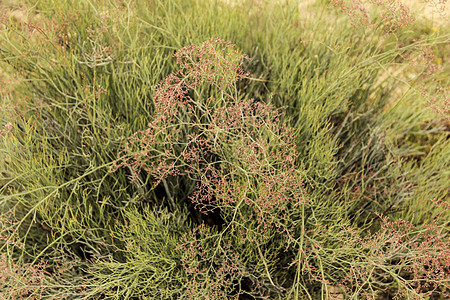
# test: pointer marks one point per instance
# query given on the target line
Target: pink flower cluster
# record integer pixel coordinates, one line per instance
(439, 100)
(239, 152)
(213, 270)
(355, 9)
(9, 231)
(393, 12)
(208, 63)
(417, 257)
(437, 5)
(21, 281)
(214, 62)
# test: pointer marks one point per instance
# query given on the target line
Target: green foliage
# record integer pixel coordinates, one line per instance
(147, 263)
(304, 159)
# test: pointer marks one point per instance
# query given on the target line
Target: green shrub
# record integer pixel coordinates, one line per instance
(220, 150)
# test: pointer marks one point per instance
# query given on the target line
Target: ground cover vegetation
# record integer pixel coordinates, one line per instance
(224, 150)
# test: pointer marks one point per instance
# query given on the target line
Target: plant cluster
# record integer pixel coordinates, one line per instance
(133, 166)
(393, 13)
